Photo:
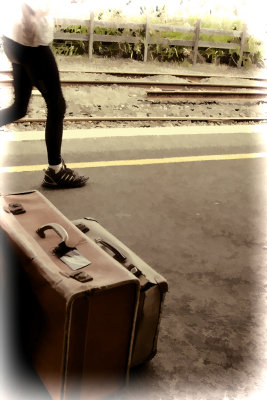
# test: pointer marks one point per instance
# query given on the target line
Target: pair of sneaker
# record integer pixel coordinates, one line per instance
(63, 179)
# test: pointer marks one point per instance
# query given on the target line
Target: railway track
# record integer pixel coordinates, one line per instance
(162, 92)
(193, 76)
(149, 119)
(148, 84)
(208, 95)
(171, 90)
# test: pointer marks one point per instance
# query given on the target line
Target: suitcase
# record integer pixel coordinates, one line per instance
(153, 288)
(86, 301)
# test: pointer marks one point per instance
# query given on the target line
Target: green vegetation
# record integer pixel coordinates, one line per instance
(161, 52)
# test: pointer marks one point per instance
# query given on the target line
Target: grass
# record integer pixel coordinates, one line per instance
(161, 52)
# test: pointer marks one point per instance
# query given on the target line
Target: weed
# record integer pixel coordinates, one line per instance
(167, 53)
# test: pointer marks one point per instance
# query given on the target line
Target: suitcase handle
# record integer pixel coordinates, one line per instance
(117, 254)
(62, 233)
(69, 255)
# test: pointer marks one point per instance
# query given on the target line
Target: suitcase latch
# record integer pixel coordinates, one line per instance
(15, 208)
(83, 228)
(81, 277)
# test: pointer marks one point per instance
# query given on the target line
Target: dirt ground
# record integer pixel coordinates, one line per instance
(123, 101)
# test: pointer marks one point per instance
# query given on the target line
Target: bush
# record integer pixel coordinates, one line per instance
(165, 53)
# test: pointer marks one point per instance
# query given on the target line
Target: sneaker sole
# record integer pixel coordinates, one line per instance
(57, 186)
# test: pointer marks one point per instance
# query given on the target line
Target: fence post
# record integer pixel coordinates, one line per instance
(242, 45)
(91, 36)
(146, 39)
(197, 32)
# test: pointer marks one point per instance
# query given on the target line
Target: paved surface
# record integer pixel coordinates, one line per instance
(200, 222)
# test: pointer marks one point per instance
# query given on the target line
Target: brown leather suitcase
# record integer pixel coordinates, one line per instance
(153, 288)
(86, 301)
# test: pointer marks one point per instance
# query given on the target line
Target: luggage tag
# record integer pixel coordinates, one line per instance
(71, 256)
(68, 255)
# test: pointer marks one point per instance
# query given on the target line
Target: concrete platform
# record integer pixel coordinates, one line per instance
(200, 222)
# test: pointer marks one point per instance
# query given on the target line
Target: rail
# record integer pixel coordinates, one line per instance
(253, 93)
(117, 119)
(173, 89)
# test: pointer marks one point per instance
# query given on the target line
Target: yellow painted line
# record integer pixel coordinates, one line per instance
(143, 161)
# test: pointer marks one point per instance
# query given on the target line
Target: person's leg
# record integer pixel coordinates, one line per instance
(22, 93)
(21, 82)
(42, 68)
(36, 66)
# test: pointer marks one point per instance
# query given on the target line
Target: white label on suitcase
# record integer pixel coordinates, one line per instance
(75, 260)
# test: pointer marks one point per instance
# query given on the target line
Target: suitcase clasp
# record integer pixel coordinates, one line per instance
(15, 208)
(81, 277)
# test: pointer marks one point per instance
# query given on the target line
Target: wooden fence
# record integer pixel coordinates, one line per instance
(147, 40)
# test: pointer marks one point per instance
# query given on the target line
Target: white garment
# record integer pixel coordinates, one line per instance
(28, 22)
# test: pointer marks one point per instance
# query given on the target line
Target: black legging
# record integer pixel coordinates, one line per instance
(36, 66)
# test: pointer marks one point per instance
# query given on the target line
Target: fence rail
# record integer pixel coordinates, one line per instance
(147, 40)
